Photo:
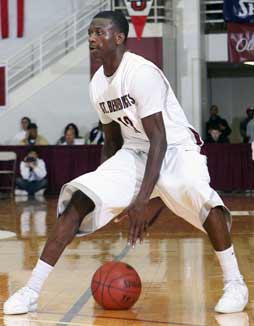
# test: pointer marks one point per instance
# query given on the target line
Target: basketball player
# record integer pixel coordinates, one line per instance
(150, 151)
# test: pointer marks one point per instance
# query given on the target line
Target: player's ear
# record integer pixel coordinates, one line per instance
(120, 38)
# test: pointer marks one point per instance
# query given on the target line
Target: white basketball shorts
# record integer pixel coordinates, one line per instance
(183, 186)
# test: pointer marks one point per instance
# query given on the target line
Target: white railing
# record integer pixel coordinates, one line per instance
(214, 20)
(52, 45)
(161, 11)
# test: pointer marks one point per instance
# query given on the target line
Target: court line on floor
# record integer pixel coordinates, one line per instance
(242, 213)
(77, 306)
(6, 234)
(155, 322)
(10, 320)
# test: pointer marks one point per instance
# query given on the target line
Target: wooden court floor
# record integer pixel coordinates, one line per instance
(180, 274)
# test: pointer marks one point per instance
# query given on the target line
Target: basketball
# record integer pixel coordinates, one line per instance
(116, 286)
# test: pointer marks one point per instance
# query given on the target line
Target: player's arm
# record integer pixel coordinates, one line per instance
(113, 140)
(150, 92)
(139, 213)
(155, 131)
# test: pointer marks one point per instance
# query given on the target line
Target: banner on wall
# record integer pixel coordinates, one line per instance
(241, 11)
(3, 88)
(5, 18)
(240, 42)
(138, 11)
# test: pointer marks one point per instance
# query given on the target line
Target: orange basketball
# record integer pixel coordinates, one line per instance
(116, 286)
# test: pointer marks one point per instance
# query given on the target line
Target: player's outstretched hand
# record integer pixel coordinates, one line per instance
(138, 221)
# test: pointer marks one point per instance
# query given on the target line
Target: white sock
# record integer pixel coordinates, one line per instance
(39, 275)
(229, 265)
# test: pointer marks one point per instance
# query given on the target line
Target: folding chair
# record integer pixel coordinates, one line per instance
(7, 171)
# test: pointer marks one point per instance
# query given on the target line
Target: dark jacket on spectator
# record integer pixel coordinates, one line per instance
(218, 123)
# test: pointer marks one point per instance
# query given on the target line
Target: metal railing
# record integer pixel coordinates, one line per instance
(214, 20)
(161, 10)
(52, 45)
(66, 36)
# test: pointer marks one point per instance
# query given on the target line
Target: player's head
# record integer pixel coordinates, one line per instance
(107, 32)
(117, 19)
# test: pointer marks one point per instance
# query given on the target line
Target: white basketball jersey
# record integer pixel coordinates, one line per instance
(115, 99)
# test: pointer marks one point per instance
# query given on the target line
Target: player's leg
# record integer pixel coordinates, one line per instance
(66, 227)
(110, 188)
(217, 229)
(188, 194)
(64, 231)
(235, 295)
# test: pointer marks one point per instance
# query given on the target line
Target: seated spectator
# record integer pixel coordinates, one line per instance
(244, 123)
(24, 123)
(32, 137)
(72, 127)
(69, 138)
(250, 131)
(216, 122)
(215, 135)
(96, 135)
(33, 174)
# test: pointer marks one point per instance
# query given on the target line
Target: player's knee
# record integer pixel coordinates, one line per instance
(82, 203)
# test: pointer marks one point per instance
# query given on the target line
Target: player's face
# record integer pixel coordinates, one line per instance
(102, 38)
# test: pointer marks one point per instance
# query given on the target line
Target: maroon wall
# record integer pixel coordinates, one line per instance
(2, 86)
(149, 47)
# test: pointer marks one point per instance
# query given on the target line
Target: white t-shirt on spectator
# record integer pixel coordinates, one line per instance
(77, 141)
(38, 173)
(250, 130)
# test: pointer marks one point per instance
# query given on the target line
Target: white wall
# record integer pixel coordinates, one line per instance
(40, 15)
(233, 96)
(216, 48)
(53, 99)
(189, 59)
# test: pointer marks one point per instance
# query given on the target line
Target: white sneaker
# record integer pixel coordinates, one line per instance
(20, 192)
(234, 299)
(40, 192)
(23, 301)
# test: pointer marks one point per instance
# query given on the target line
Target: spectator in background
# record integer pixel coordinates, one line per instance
(96, 136)
(33, 174)
(69, 138)
(244, 123)
(250, 131)
(216, 136)
(217, 123)
(70, 126)
(24, 123)
(32, 137)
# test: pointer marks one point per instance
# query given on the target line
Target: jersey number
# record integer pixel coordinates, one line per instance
(128, 123)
